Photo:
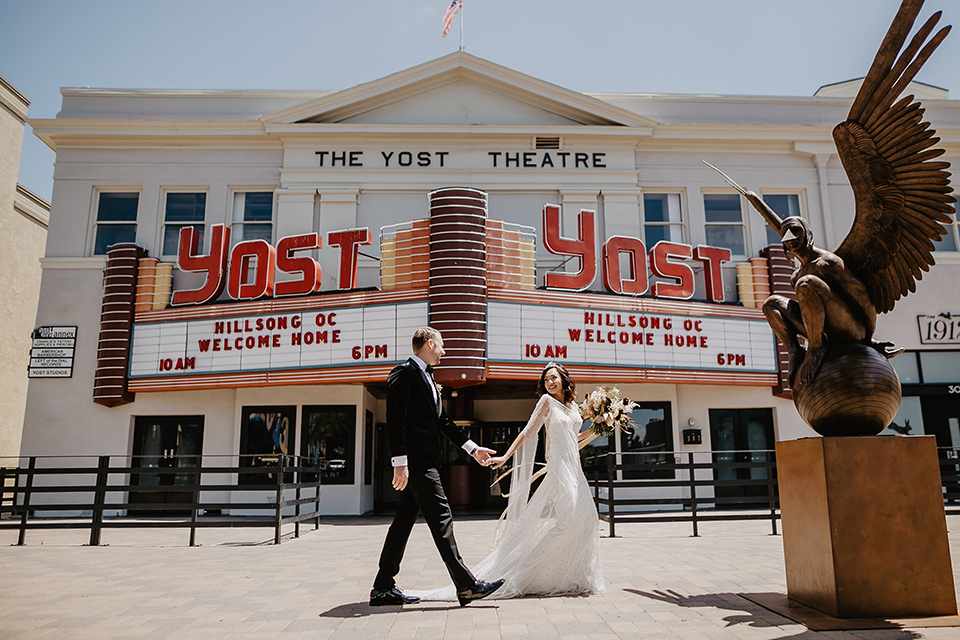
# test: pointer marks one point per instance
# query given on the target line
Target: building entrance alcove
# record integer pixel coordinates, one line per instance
(165, 442)
(741, 435)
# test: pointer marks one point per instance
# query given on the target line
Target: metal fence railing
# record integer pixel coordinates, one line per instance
(706, 486)
(193, 492)
(103, 492)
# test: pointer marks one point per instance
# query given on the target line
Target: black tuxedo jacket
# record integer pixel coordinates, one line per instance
(414, 420)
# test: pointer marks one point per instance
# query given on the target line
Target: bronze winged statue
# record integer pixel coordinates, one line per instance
(903, 203)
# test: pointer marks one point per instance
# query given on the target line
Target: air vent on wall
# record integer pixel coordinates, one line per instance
(546, 142)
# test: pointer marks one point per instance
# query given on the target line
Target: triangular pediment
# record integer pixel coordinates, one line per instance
(459, 89)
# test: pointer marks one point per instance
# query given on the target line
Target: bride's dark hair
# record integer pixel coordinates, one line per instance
(569, 386)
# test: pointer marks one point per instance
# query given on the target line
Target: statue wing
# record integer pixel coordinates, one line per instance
(902, 196)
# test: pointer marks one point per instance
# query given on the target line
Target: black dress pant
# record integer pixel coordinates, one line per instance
(425, 494)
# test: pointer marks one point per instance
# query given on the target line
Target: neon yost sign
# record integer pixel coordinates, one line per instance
(666, 260)
(248, 271)
(233, 273)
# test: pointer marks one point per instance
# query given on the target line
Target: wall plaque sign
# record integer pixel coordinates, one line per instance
(51, 353)
(943, 328)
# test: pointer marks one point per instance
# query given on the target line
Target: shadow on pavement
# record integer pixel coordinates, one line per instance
(362, 609)
(736, 602)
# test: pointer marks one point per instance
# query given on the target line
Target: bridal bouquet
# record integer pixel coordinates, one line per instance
(606, 410)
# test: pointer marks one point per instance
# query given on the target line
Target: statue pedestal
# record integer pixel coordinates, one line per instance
(864, 531)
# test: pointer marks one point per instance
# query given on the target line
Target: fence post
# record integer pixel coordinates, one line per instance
(195, 510)
(693, 494)
(28, 485)
(611, 471)
(298, 482)
(99, 496)
(771, 494)
(281, 463)
(316, 503)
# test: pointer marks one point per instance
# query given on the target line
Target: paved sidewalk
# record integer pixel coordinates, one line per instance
(661, 583)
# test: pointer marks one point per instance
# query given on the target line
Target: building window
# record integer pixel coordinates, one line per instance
(928, 367)
(182, 210)
(949, 242)
(907, 368)
(785, 205)
(940, 367)
(116, 219)
(723, 218)
(328, 441)
(649, 433)
(909, 419)
(266, 433)
(252, 216)
(662, 219)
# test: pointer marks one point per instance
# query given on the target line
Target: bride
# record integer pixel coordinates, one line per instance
(547, 543)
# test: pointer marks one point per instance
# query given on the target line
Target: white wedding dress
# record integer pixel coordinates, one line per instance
(547, 543)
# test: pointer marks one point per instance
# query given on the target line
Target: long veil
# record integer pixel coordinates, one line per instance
(522, 475)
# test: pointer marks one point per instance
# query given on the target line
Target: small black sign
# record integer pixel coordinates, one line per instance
(51, 355)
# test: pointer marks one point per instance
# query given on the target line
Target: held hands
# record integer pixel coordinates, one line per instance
(401, 474)
(497, 462)
(482, 455)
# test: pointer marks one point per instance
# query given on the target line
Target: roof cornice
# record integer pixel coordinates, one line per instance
(56, 131)
(13, 100)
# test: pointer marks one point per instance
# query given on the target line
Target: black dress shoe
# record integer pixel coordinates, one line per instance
(393, 596)
(477, 591)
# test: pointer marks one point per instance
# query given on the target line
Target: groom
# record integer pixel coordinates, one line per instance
(415, 420)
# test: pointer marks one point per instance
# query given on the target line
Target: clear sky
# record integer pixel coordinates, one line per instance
(754, 47)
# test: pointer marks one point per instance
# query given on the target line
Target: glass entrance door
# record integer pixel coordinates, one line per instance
(165, 442)
(740, 436)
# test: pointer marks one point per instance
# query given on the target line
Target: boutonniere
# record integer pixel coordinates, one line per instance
(439, 388)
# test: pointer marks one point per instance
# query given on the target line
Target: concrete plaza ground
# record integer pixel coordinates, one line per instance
(148, 583)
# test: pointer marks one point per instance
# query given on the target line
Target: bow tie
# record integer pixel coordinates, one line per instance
(429, 368)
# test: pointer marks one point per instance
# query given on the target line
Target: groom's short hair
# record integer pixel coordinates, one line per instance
(421, 336)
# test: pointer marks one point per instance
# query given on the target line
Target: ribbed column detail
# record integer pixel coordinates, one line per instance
(781, 270)
(458, 283)
(116, 324)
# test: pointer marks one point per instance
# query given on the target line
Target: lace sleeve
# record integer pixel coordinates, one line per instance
(539, 417)
(523, 468)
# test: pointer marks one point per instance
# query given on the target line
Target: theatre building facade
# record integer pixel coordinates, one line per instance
(234, 273)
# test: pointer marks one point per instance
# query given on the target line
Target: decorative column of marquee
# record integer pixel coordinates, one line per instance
(116, 324)
(458, 284)
(781, 269)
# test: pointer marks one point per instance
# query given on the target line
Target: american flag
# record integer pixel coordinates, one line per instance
(452, 10)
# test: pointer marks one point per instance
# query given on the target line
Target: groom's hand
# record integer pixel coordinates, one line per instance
(400, 476)
(482, 454)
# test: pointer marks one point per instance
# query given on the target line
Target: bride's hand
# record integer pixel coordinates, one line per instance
(497, 461)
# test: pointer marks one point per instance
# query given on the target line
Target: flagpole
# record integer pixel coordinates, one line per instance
(461, 26)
